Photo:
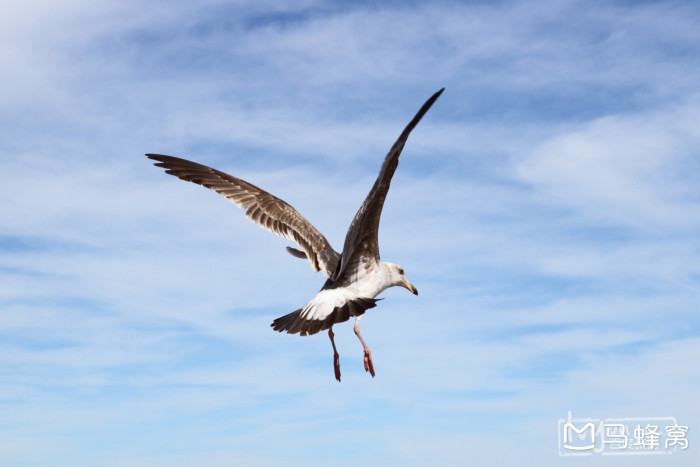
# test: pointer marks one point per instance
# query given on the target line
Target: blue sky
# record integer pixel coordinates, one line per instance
(547, 208)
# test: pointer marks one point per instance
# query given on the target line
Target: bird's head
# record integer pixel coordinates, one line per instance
(398, 278)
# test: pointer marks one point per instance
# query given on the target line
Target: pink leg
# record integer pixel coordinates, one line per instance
(368, 355)
(336, 357)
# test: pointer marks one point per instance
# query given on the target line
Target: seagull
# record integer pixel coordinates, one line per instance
(354, 277)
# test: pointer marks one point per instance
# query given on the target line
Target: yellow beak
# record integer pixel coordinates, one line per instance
(410, 287)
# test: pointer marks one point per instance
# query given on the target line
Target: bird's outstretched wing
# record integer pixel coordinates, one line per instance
(362, 241)
(264, 209)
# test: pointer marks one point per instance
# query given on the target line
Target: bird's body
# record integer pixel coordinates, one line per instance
(338, 300)
(355, 276)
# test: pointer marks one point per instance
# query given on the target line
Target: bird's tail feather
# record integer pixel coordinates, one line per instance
(294, 322)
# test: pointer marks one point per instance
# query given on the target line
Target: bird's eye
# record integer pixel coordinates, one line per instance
(400, 271)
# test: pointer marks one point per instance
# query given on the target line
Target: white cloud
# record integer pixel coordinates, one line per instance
(624, 169)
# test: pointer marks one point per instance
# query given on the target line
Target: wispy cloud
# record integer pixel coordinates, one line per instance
(628, 169)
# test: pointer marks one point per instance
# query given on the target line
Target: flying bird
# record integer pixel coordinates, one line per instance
(355, 276)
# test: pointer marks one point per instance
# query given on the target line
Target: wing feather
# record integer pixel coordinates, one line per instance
(262, 208)
(361, 240)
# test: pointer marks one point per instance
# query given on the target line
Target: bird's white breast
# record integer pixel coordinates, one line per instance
(367, 283)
